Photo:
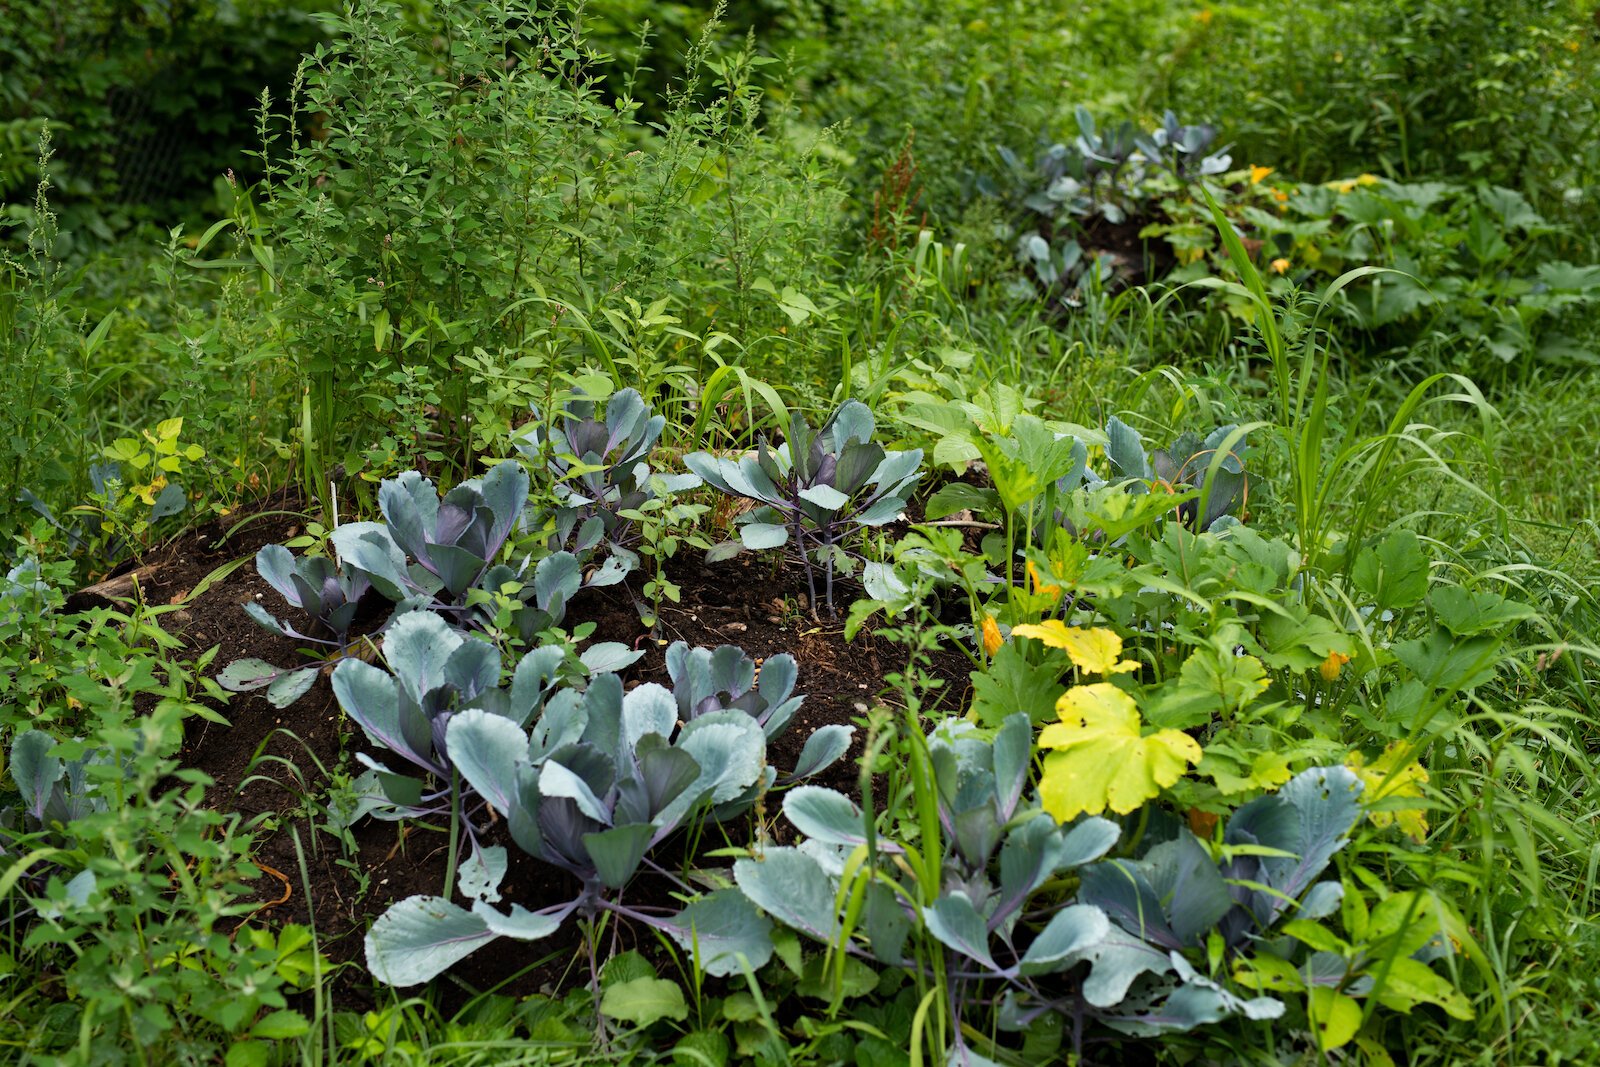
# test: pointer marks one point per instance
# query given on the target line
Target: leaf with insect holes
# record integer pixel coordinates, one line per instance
(284, 685)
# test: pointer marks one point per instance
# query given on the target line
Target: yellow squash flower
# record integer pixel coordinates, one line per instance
(1333, 665)
(1038, 584)
(1257, 173)
(991, 635)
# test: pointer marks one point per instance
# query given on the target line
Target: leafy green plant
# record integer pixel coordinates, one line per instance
(816, 488)
(454, 543)
(709, 680)
(436, 672)
(993, 915)
(130, 496)
(118, 855)
(602, 781)
(1101, 171)
(601, 470)
(1213, 468)
(607, 493)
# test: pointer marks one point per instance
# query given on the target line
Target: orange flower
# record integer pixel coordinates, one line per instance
(1280, 265)
(1257, 173)
(1039, 584)
(991, 635)
(1333, 665)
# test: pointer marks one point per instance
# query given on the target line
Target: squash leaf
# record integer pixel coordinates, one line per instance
(1102, 759)
(1096, 650)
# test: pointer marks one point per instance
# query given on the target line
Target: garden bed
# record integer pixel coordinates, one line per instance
(274, 765)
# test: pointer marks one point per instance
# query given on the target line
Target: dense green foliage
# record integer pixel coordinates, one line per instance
(1216, 380)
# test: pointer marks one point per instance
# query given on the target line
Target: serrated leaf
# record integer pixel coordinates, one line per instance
(1395, 574)
(1102, 760)
(1092, 649)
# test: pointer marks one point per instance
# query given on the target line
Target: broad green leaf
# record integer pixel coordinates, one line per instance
(419, 937)
(1466, 613)
(1395, 574)
(1443, 662)
(762, 535)
(642, 1001)
(791, 887)
(1125, 450)
(824, 815)
(724, 931)
(616, 853)
(1411, 982)
(485, 749)
(607, 657)
(1012, 684)
(824, 496)
(956, 923)
(1334, 1017)
(1236, 772)
(1212, 684)
(822, 750)
(34, 770)
(1069, 932)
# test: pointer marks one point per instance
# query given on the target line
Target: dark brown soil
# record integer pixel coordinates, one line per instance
(1136, 260)
(273, 767)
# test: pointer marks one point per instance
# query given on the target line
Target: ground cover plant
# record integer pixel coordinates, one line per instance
(809, 534)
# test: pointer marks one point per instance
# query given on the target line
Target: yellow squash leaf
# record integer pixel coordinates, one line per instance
(147, 493)
(1102, 760)
(1095, 650)
(1386, 778)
